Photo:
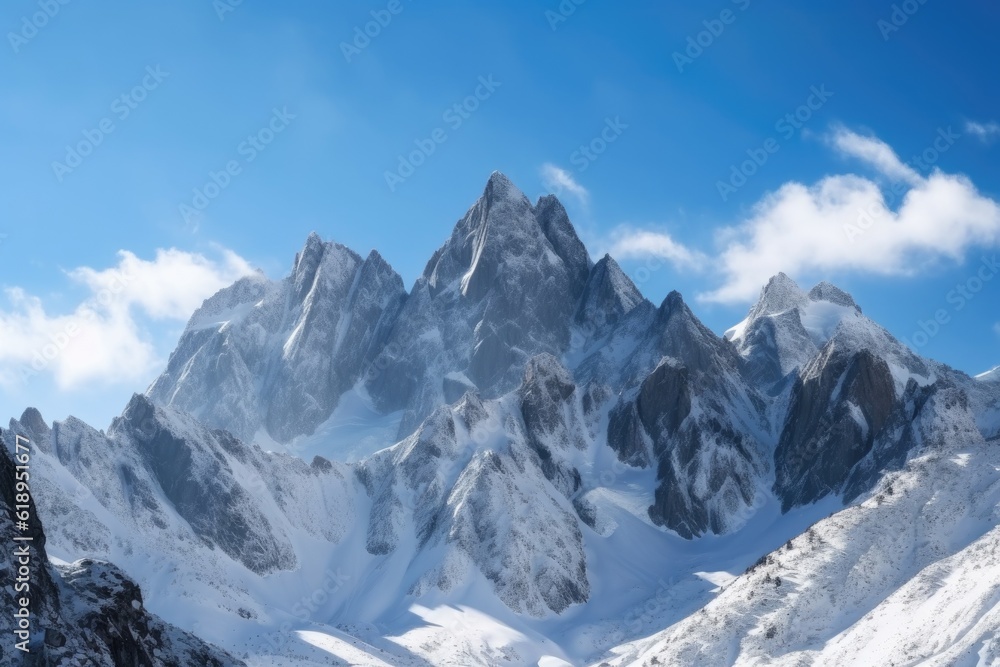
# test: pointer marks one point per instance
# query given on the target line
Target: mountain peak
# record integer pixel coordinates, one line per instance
(557, 228)
(609, 270)
(307, 260)
(673, 311)
(608, 296)
(499, 187)
(780, 294)
(825, 291)
(503, 229)
(315, 253)
(32, 419)
(672, 303)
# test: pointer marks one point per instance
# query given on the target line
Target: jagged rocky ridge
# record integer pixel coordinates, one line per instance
(278, 355)
(540, 394)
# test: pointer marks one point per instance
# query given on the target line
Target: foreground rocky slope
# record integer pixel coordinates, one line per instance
(84, 613)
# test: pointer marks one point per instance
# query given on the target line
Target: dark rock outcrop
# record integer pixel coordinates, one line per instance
(838, 409)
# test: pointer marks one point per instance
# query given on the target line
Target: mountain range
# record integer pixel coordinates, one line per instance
(523, 461)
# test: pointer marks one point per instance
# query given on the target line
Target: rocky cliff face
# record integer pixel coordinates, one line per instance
(502, 288)
(490, 487)
(698, 422)
(164, 474)
(278, 356)
(840, 407)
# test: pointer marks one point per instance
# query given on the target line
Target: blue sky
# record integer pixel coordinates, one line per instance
(300, 120)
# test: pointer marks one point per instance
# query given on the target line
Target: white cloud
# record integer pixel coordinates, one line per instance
(985, 132)
(996, 327)
(171, 286)
(101, 340)
(630, 243)
(876, 153)
(562, 182)
(844, 223)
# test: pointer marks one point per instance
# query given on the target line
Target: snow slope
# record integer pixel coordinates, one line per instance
(992, 375)
(906, 577)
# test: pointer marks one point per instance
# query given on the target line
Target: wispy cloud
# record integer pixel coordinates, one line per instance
(631, 243)
(102, 339)
(843, 223)
(985, 132)
(561, 182)
(876, 153)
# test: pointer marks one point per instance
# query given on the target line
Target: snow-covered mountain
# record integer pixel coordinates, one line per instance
(552, 469)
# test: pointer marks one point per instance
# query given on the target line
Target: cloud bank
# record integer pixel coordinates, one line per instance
(103, 338)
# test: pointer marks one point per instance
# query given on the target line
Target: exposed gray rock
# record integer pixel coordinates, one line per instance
(547, 403)
(607, 298)
(201, 485)
(503, 288)
(514, 361)
(825, 291)
(838, 409)
(694, 417)
(279, 355)
(522, 536)
(491, 484)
